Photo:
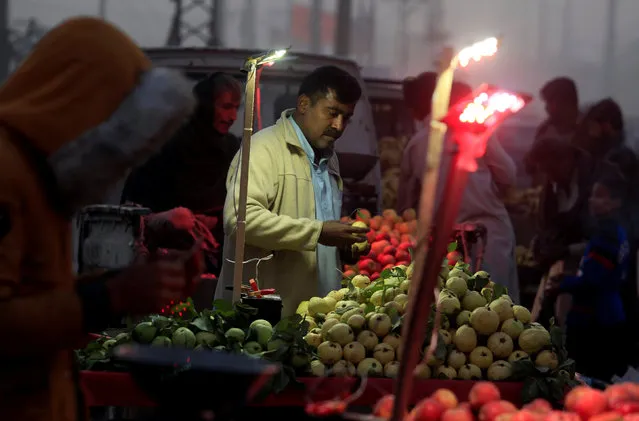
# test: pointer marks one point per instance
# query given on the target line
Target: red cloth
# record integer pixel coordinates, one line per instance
(119, 389)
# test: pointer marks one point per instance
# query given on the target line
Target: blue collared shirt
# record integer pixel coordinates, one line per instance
(328, 205)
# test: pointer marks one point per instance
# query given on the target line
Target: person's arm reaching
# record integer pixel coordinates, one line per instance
(598, 269)
(501, 165)
(264, 228)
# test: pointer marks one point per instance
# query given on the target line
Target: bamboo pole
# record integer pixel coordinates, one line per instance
(426, 271)
(240, 235)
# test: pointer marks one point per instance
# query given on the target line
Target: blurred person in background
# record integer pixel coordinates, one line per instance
(190, 171)
(418, 92)
(82, 109)
(564, 219)
(602, 135)
(295, 196)
(597, 317)
(561, 100)
(482, 200)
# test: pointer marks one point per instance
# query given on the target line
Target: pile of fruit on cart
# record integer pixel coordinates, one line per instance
(356, 330)
(618, 402)
(391, 238)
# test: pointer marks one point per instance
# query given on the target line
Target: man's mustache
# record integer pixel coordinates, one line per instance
(333, 133)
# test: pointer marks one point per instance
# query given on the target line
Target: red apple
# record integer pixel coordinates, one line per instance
(367, 265)
(446, 398)
(538, 405)
(428, 410)
(386, 259)
(483, 392)
(457, 414)
(384, 407)
(402, 255)
(374, 276)
(390, 249)
(491, 410)
(586, 402)
(562, 416)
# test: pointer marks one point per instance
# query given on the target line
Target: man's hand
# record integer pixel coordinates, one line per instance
(551, 289)
(341, 235)
(148, 287)
(351, 255)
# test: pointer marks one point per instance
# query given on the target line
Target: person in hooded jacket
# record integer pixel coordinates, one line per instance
(190, 171)
(82, 109)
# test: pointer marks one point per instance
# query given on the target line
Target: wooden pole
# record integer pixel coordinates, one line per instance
(419, 303)
(240, 234)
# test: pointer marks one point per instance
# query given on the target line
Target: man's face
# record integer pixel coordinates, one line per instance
(553, 109)
(324, 121)
(601, 202)
(226, 106)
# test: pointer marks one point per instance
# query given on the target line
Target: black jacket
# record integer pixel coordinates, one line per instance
(190, 171)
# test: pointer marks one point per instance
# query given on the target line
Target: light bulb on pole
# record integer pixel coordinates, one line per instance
(251, 67)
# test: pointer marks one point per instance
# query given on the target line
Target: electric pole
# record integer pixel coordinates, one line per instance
(436, 34)
(249, 37)
(210, 32)
(566, 32)
(610, 44)
(315, 26)
(541, 31)
(5, 47)
(102, 7)
(343, 29)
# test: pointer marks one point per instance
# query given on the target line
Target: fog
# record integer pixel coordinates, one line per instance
(541, 38)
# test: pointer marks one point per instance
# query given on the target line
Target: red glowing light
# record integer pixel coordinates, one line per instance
(485, 108)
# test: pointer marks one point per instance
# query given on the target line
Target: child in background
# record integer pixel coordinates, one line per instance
(596, 321)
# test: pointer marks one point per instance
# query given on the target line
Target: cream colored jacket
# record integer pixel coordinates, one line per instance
(280, 217)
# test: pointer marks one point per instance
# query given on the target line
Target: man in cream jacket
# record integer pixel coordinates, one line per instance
(295, 196)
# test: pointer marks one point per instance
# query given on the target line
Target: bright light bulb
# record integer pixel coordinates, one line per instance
(477, 51)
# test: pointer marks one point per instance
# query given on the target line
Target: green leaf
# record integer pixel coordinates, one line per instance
(369, 307)
(386, 273)
(203, 324)
(223, 306)
(470, 283)
(288, 324)
(557, 338)
(556, 389)
(480, 282)
(440, 349)
(498, 291)
(452, 246)
(523, 369)
(530, 390)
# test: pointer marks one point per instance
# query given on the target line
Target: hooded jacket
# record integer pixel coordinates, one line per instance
(82, 109)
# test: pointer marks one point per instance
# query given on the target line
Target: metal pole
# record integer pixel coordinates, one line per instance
(240, 235)
(248, 34)
(609, 48)
(315, 26)
(216, 23)
(343, 30)
(566, 31)
(403, 47)
(102, 6)
(5, 47)
(541, 31)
